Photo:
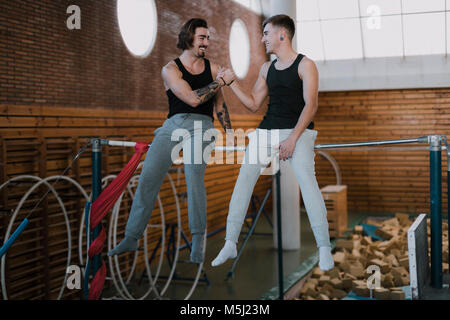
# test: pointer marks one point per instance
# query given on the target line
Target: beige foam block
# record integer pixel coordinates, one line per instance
(357, 271)
(339, 257)
(323, 297)
(378, 254)
(374, 222)
(387, 281)
(401, 270)
(362, 291)
(345, 267)
(347, 283)
(311, 292)
(333, 273)
(384, 267)
(358, 283)
(337, 283)
(356, 236)
(396, 252)
(403, 218)
(405, 281)
(395, 289)
(326, 289)
(392, 260)
(397, 295)
(324, 279)
(338, 293)
(382, 294)
(357, 243)
(385, 233)
(307, 286)
(404, 262)
(391, 222)
(344, 244)
(313, 281)
(356, 253)
(366, 240)
(358, 229)
(317, 273)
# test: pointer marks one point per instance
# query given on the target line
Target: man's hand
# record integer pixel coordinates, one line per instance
(227, 75)
(287, 148)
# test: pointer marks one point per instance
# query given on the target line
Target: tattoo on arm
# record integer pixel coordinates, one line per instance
(206, 93)
(224, 117)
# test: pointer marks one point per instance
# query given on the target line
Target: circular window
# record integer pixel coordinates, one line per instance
(239, 48)
(138, 25)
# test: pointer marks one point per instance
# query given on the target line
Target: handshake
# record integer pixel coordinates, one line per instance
(225, 76)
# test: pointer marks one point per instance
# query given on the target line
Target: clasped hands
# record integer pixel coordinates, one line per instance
(225, 76)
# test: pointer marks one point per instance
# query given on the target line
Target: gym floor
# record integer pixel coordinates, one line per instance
(254, 275)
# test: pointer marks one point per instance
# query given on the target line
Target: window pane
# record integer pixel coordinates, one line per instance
(342, 39)
(138, 25)
(424, 33)
(239, 48)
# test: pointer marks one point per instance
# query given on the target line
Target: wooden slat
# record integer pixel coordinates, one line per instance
(64, 131)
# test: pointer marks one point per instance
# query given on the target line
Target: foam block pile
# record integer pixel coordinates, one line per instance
(354, 256)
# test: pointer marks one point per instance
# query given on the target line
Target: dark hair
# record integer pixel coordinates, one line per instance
(282, 20)
(186, 35)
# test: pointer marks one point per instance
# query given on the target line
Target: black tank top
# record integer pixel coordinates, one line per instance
(196, 82)
(286, 101)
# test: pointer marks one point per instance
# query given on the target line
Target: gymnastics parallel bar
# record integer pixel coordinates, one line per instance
(435, 148)
(434, 142)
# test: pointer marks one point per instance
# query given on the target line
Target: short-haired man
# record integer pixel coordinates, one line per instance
(193, 93)
(291, 81)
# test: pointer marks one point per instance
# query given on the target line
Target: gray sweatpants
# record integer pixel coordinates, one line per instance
(157, 163)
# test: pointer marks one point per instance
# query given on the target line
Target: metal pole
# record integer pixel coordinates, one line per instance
(435, 211)
(279, 238)
(96, 190)
(448, 192)
(423, 139)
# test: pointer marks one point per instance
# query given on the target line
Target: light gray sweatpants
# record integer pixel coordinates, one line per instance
(302, 162)
(158, 162)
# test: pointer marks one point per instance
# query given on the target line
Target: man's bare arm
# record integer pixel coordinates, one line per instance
(259, 92)
(173, 80)
(222, 111)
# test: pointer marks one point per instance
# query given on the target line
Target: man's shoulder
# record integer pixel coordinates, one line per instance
(170, 68)
(171, 64)
(214, 66)
(265, 69)
(306, 62)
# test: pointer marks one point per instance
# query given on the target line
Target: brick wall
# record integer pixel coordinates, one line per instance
(42, 62)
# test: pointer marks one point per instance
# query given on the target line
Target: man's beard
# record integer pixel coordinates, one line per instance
(201, 53)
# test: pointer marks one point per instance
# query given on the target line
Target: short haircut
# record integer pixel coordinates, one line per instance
(186, 35)
(282, 20)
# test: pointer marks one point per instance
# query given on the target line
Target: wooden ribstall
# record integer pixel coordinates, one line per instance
(382, 181)
(41, 141)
